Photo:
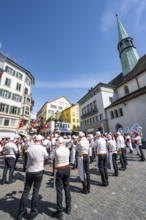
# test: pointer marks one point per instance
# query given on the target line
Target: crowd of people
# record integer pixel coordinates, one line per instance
(65, 152)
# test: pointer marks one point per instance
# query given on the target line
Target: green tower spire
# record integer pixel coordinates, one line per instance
(127, 51)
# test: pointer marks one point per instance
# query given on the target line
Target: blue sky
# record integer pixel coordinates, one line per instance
(69, 45)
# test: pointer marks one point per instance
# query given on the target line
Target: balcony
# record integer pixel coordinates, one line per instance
(90, 113)
(27, 100)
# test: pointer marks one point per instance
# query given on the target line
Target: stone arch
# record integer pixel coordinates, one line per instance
(118, 126)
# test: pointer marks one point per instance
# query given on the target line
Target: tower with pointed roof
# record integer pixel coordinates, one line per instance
(127, 51)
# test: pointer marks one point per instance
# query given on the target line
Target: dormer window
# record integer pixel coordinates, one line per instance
(126, 90)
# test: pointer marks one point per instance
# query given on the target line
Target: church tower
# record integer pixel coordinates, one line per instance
(127, 51)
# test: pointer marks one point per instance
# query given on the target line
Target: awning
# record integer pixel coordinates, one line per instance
(63, 130)
(6, 134)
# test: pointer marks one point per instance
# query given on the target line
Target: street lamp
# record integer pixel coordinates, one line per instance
(56, 120)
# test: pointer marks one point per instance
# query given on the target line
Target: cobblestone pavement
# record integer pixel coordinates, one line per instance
(123, 199)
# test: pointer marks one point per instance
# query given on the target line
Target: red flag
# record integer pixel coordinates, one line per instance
(21, 123)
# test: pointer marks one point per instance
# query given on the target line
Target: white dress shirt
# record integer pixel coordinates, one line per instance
(36, 156)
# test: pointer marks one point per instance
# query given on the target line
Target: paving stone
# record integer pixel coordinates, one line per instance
(123, 199)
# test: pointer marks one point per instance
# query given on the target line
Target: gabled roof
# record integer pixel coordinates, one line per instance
(50, 102)
(128, 97)
(95, 87)
(121, 79)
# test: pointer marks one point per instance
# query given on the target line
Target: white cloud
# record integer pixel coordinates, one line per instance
(82, 81)
(127, 8)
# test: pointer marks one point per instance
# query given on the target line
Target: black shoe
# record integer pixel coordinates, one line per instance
(115, 174)
(12, 181)
(20, 216)
(122, 169)
(142, 160)
(33, 215)
(102, 184)
(84, 191)
(88, 190)
(58, 215)
(68, 210)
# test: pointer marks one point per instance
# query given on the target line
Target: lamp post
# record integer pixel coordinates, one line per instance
(56, 120)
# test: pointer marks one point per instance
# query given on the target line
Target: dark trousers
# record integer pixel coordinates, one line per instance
(114, 158)
(86, 182)
(35, 179)
(102, 164)
(25, 161)
(9, 164)
(17, 157)
(123, 158)
(62, 182)
(141, 152)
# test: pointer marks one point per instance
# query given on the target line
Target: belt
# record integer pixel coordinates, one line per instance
(62, 168)
(83, 155)
(101, 154)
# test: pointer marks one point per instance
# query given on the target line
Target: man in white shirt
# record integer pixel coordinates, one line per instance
(10, 149)
(101, 151)
(137, 139)
(36, 154)
(62, 177)
(121, 147)
(112, 148)
(83, 162)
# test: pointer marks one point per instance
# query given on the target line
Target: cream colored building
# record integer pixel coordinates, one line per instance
(51, 110)
(15, 97)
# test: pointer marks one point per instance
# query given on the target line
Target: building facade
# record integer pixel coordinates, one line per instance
(129, 101)
(71, 115)
(50, 113)
(92, 108)
(128, 93)
(15, 97)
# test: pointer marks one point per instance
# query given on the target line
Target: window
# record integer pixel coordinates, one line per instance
(94, 104)
(18, 86)
(5, 94)
(73, 120)
(73, 114)
(6, 122)
(27, 81)
(126, 90)
(116, 113)
(27, 111)
(13, 122)
(101, 116)
(120, 112)
(26, 91)
(10, 71)
(19, 75)
(53, 106)
(51, 112)
(1, 120)
(96, 117)
(14, 110)
(7, 82)
(60, 107)
(110, 99)
(112, 114)
(16, 98)
(4, 108)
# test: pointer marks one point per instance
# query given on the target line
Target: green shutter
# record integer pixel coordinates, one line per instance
(7, 108)
(9, 95)
(18, 111)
